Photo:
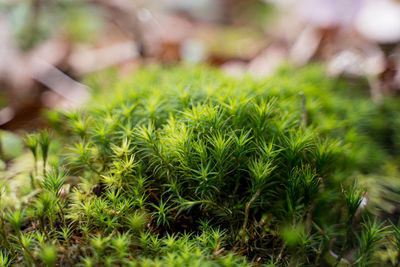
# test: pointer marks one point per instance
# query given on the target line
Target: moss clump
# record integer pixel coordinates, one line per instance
(185, 166)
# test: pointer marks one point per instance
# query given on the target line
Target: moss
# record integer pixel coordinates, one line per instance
(187, 166)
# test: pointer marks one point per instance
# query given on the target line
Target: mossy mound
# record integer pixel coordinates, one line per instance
(186, 167)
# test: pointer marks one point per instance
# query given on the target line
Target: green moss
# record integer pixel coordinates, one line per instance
(186, 166)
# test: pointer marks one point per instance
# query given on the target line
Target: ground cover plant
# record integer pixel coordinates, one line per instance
(179, 167)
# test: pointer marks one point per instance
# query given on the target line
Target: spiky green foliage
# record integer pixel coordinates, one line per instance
(188, 167)
(5, 260)
(44, 144)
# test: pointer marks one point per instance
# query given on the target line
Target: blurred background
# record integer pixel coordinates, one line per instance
(47, 47)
